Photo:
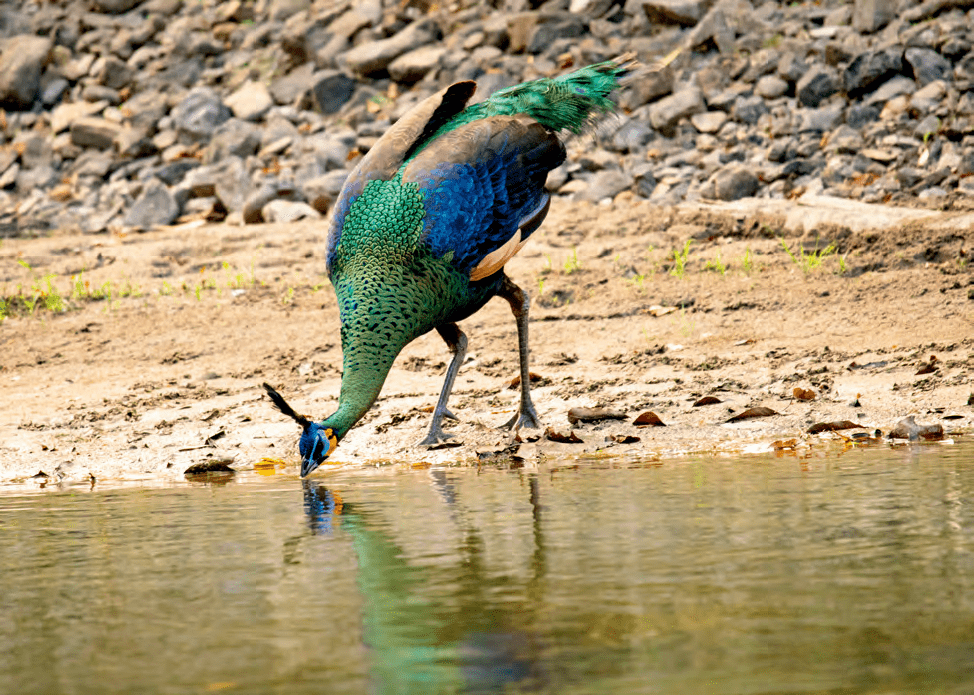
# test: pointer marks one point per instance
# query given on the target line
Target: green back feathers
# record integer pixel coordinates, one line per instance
(570, 103)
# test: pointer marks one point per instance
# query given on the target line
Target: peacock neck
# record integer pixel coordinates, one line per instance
(378, 320)
(365, 371)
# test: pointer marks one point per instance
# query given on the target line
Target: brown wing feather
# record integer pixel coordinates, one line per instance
(387, 155)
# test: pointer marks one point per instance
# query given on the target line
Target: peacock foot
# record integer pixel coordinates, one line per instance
(438, 439)
(526, 418)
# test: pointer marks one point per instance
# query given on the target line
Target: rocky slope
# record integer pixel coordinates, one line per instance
(120, 114)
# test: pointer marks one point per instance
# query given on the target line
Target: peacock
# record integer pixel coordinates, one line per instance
(421, 231)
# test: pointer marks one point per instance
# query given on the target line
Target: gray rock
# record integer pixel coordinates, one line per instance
(288, 211)
(93, 131)
(686, 12)
(322, 191)
(53, 90)
(38, 178)
(413, 65)
(331, 89)
(233, 138)
(279, 10)
(928, 65)
(292, 87)
(667, 112)
(231, 183)
(647, 88)
(22, 60)
(892, 88)
(871, 15)
(791, 67)
(8, 179)
(867, 70)
(250, 101)
(606, 184)
(133, 142)
(929, 97)
(822, 119)
(115, 6)
(371, 57)
(114, 73)
(818, 84)
(749, 109)
(735, 182)
(771, 87)
(156, 206)
(199, 114)
(35, 151)
(859, 115)
(644, 179)
(632, 136)
(708, 121)
(174, 172)
(547, 32)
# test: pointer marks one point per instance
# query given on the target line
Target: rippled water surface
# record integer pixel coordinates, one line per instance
(842, 573)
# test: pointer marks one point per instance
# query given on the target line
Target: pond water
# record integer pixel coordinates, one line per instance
(842, 572)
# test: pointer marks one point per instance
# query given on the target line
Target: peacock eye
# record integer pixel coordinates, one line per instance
(318, 453)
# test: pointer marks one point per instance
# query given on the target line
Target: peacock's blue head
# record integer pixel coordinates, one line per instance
(315, 445)
(317, 441)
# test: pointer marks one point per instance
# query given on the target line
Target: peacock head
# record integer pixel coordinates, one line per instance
(317, 440)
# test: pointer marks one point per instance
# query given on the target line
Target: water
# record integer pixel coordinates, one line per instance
(842, 573)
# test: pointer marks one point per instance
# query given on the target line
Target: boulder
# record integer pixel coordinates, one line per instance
(22, 60)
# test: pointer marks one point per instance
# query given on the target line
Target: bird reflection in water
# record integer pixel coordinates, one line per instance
(427, 632)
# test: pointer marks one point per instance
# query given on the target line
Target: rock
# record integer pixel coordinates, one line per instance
(115, 6)
(823, 119)
(816, 85)
(250, 101)
(929, 97)
(294, 86)
(667, 112)
(231, 184)
(556, 27)
(371, 57)
(114, 73)
(233, 138)
(872, 15)
(928, 65)
(156, 206)
(869, 69)
(322, 191)
(647, 88)
(199, 114)
(93, 131)
(52, 92)
(288, 211)
(749, 109)
(413, 66)
(890, 89)
(22, 59)
(279, 10)
(606, 184)
(331, 90)
(632, 136)
(708, 121)
(735, 182)
(686, 12)
(771, 87)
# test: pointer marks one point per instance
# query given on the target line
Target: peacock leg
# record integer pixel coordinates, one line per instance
(457, 342)
(526, 416)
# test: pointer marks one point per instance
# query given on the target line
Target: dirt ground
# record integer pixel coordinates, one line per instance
(157, 361)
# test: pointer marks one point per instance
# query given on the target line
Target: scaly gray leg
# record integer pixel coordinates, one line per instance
(519, 301)
(457, 342)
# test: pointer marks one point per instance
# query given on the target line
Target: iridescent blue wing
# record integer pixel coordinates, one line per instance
(483, 186)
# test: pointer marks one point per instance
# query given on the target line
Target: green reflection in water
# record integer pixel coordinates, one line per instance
(849, 573)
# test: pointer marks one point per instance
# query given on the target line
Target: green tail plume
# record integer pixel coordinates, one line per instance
(571, 102)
